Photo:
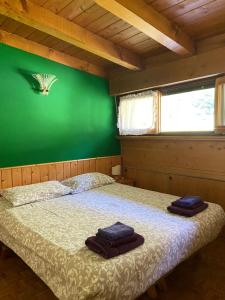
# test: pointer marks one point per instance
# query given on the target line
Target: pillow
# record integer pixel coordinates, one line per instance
(35, 192)
(87, 181)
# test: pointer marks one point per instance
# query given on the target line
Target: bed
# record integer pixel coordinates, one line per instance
(49, 236)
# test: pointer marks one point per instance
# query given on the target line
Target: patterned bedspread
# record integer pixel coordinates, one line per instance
(49, 236)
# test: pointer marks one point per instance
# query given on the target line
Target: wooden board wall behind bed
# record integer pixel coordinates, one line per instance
(177, 165)
(22, 175)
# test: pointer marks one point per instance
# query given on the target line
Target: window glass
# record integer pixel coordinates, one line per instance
(189, 111)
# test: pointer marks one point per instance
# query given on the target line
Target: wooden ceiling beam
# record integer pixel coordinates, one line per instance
(151, 22)
(30, 14)
(51, 54)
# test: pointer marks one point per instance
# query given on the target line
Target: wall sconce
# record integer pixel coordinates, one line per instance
(45, 81)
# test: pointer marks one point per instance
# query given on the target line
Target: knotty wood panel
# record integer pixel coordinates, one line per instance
(189, 68)
(177, 166)
(57, 26)
(23, 175)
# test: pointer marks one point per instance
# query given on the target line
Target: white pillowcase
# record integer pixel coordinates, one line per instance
(25, 194)
(87, 181)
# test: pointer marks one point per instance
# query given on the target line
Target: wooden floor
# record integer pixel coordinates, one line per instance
(195, 279)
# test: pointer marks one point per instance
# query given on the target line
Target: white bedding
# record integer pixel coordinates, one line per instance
(49, 236)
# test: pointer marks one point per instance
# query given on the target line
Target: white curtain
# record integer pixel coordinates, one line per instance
(137, 113)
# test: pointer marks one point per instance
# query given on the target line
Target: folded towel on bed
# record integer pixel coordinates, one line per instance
(109, 252)
(115, 243)
(115, 231)
(188, 202)
(187, 212)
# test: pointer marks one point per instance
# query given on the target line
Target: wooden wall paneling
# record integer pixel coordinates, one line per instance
(86, 166)
(66, 170)
(196, 66)
(177, 165)
(59, 171)
(116, 160)
(17, 177)
(44, 172)
(80, 167)
(6, 178)
(52, 172)
(73, 168)
(154, 181)
(93, 165)
(99, 165)
(23, 175)
(26, 175)
(108, 165)
(103, 165)
(130, 173)
(35, 174)
(166, 157)
(209, 190)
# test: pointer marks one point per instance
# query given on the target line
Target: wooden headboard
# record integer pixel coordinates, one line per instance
(22, 175)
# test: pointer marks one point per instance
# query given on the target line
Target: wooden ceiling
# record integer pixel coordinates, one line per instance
(197, 18)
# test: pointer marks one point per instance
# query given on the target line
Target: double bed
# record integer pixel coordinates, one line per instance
(50, 237)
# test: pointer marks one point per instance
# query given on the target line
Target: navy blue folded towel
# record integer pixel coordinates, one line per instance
(188, 202)
(108, 252)
(115, 231)
(187, 212)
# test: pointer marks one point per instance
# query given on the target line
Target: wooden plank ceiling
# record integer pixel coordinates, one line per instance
(198, 18)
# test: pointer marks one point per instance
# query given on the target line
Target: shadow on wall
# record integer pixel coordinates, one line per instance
(27, 75)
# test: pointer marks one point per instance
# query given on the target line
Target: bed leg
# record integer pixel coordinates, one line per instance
(152, 292)
(162, 284)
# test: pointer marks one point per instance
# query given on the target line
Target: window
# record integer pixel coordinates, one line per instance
(220, 105)
(197, 106)
(188, 111)
(137, 113)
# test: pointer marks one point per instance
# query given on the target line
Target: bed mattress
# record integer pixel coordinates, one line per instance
(49, 236)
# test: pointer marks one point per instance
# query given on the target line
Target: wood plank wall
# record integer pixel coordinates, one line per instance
(177, 165)
(22, 175)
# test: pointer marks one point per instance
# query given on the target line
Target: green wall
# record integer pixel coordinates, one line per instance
(76, 120)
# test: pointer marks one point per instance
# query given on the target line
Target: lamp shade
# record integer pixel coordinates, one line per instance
(116, 170)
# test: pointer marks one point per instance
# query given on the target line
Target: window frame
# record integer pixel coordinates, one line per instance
(153, 131)
(218, 129)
